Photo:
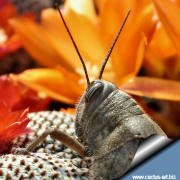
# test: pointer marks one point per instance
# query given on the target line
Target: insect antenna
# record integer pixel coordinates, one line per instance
(75, 46)
(113, 44)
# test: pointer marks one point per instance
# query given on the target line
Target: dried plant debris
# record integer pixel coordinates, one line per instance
(51, 159)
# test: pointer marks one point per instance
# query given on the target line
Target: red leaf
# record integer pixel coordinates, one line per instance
(10, 92)
(19, 97)
(3, 3)
(12, 125)
(31, 100)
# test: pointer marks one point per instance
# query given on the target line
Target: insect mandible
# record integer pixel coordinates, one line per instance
(109, 124)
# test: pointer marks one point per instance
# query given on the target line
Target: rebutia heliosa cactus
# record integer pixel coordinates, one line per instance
(51, 159)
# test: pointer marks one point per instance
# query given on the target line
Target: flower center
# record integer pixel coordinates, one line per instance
(93, 72)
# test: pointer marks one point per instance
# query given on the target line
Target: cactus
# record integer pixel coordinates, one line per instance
(51, 159)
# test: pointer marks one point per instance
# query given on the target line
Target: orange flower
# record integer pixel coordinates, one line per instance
(162, 59)
(12, 125)
(146, 40)
(164, 48)
(169, 14)
(49, 43)
(164, 54)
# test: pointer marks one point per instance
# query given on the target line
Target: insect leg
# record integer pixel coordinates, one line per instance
(61, 136)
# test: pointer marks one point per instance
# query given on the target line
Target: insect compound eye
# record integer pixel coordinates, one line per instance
(93, 91)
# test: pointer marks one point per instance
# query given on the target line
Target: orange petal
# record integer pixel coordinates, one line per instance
(84, 8)
(169, 14)
(153, 88)
(159, 52)
(36, 42)
(58, 37)
(128, 53)
(52, 82)
(83, 29)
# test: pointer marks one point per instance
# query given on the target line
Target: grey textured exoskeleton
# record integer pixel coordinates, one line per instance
(110, 125)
